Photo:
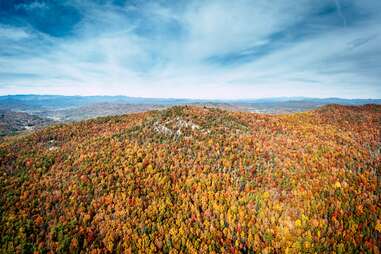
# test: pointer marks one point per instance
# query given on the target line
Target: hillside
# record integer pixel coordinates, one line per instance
(96, 110)
(14, 122)
(196, 180)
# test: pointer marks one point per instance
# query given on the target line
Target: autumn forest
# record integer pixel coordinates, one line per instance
(196, 180)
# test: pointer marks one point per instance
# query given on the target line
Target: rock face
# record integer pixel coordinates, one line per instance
(196, 180)
(188, 123)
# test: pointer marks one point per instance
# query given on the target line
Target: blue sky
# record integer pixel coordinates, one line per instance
(191, 48)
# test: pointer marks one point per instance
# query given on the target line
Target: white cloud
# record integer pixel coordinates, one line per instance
(33, 6)
(12, 33)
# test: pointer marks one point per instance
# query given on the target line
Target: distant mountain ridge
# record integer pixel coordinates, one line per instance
(38, 102)
(49, 109)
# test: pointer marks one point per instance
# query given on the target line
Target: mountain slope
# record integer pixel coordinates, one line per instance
(14, 122)
(196, 180)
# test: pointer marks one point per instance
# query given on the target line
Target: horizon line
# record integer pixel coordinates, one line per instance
(192, 98)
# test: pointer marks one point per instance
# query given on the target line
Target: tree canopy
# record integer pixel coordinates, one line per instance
(196, 180)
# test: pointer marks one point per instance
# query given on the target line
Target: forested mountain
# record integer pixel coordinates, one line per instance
(196, 180)
(13, 122)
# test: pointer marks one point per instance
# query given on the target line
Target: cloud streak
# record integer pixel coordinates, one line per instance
(196, 49)
(338, 6)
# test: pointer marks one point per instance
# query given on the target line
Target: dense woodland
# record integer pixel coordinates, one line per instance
(196, 180)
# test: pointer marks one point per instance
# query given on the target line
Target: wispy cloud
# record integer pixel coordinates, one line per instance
(12, 33)
(33, 6)
(338, 6)
(205, 49)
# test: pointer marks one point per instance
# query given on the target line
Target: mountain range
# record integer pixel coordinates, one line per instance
(49, 109)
